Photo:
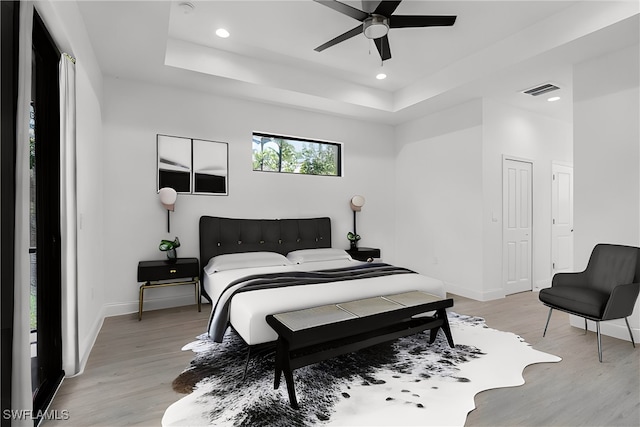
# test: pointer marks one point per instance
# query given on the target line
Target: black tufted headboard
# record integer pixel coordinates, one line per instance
(232, 235)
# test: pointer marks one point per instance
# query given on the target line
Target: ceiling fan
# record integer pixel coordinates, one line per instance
(377, 20)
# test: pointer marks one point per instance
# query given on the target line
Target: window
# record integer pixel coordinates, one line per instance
(275, 153)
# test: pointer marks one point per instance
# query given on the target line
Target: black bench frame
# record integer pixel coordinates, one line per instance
(295, 349)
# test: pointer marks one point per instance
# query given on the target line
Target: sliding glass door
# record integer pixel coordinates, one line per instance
(45, 219)
(44, 215)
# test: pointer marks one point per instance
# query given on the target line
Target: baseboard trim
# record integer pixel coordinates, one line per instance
(87, 345)
(473, 294)
(118, 309)
(612, 328)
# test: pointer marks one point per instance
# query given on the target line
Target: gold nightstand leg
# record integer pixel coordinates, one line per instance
(197, 284)
(140, 302)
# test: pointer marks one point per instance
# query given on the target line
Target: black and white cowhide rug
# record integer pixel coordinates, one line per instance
(404, 382)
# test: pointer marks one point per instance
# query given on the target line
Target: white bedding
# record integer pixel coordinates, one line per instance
(249, 309)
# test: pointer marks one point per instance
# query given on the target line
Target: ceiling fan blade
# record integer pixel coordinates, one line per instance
(408, 21)
(342, 37)
(383, 47)
(344, 9)
(386, 8)
(370, 5)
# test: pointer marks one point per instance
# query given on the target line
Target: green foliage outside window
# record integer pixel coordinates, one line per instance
(272, 153)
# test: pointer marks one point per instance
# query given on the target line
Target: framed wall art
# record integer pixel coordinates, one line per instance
(192, 166)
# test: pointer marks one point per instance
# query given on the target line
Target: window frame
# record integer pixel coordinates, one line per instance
(339, 159)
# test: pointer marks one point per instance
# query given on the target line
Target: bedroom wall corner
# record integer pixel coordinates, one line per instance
(448, 220)
(512, 131)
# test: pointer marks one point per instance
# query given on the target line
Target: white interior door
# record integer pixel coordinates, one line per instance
(562, 219)
(517, 199)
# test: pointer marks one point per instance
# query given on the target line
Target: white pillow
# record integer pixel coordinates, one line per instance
(313, 255)
(245, 260)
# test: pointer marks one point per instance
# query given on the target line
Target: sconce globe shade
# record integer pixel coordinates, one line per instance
(357, 202)
(168, 197)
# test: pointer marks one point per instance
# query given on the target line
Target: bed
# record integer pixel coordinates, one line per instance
(255, 267)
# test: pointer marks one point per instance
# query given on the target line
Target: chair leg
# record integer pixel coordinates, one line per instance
(585, 326)
(548, 318)
(630, 333)
(599, 342)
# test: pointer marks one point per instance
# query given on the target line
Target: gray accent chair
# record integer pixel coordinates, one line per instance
(607, 289)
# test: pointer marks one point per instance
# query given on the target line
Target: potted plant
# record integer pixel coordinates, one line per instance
(170, 248)
(353, 239)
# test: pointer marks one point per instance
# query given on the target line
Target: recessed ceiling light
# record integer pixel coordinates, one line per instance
(381, 76)
(221, 32)
(553, 99)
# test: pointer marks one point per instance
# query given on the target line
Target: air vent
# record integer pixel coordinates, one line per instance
(539, 90)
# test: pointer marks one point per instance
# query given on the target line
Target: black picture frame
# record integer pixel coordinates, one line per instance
(192, 166)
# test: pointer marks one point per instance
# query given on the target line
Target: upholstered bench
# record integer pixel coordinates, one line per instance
(318, 333)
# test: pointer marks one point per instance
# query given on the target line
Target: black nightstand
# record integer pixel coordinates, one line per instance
(161, 273)
(364, 254)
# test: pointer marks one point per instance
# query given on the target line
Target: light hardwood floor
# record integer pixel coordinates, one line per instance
(127, 380)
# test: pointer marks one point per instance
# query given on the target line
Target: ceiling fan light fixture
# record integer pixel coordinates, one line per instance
(381, 76)
(375, 26)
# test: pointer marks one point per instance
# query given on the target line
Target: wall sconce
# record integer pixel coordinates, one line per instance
(168, 198)
(357, 202)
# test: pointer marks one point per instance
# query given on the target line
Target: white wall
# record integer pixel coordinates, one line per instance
(439, 197)
(92, 280)
(607, 161)
(522, 134)
(65, 24)
(449, 192)
(134, 224)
